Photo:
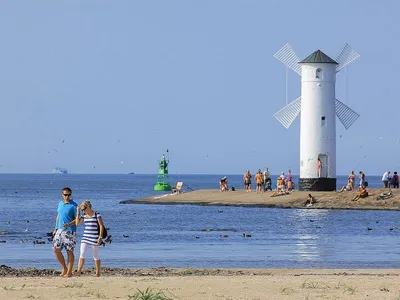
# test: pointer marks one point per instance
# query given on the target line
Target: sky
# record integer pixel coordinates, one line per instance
(108, 86)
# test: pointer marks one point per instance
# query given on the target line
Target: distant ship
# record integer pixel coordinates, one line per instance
(59, 171)
(131, 173)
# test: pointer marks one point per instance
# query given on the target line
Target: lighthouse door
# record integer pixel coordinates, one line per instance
(324, 163)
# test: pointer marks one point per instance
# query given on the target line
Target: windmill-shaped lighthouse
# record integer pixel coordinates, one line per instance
(318, 107)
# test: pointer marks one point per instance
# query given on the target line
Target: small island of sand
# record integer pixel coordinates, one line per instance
(296, 199)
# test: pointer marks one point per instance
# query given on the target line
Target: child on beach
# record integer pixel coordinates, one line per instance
(91, 236)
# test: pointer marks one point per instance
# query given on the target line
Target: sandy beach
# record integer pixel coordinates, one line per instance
(207, 284)
(296, 199)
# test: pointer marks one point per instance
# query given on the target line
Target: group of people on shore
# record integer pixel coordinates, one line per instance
(284, 183)
(390, 181)
(262, 179)
(69, 216)
(362, 185)
(350, 186)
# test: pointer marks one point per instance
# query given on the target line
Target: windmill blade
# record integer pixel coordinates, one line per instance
(288, 114)
(345, 57)
(287, 56)
(345, 114)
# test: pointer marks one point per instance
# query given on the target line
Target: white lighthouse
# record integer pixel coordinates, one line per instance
(318, 107)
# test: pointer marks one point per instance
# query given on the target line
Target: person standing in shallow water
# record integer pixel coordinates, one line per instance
(64, 234)
(91, 236)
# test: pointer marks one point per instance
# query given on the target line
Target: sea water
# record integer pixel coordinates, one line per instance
(147, 235)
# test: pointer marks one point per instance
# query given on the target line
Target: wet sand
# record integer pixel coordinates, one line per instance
(296, 199)
(207, 284)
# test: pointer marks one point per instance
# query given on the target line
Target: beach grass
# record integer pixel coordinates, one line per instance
(149, 294)
(96, 294)
(284, 290)
(351, 290)
(74, 284)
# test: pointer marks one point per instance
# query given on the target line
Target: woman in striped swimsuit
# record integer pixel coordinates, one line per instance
(91, 237)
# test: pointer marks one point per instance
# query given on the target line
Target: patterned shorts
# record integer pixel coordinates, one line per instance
(64, 240)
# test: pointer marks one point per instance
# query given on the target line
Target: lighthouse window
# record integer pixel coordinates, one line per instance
(318, 74)
(323, 122)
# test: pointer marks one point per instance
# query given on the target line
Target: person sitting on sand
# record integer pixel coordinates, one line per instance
(362, 194)
(310, 201)
(348, 187)
(280, 184)
(223, 184)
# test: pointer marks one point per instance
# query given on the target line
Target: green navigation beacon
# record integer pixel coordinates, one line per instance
(162, 178)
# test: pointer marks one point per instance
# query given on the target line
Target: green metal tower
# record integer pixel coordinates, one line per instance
(162, 178)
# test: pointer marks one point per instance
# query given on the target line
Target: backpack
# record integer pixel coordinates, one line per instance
(105, 234)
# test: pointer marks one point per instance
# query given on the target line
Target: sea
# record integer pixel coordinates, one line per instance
(148, 235)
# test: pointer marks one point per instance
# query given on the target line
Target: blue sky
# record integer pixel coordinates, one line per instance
(121, 81)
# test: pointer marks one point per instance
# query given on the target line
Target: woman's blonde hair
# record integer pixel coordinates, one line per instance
(86, 204)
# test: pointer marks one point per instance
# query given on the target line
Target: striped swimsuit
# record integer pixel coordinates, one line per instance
(91, 232)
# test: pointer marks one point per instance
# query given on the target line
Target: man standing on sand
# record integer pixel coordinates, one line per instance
(267, 180)
(259, 181)
(65, 232)
(386, 179)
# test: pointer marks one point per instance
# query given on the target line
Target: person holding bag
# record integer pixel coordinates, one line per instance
(94, 229)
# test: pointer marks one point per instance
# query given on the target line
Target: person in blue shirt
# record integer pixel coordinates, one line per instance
(65, 232)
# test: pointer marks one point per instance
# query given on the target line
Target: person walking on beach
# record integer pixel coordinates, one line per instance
(92, 234)
(64, 234)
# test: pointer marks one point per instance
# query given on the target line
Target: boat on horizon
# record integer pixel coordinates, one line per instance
(59, 170)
